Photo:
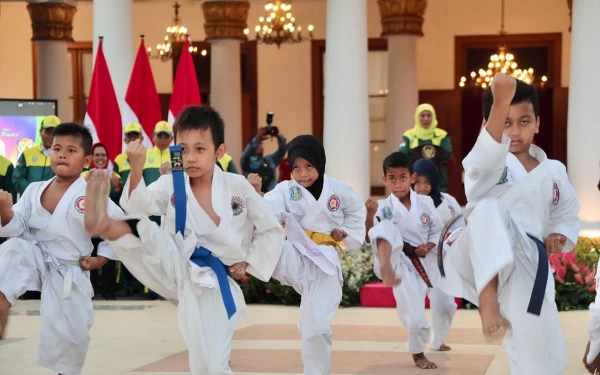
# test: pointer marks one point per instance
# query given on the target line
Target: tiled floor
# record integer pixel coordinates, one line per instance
(142, 338)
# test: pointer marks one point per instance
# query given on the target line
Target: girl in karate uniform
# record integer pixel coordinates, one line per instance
(322, 216)
(443, 307)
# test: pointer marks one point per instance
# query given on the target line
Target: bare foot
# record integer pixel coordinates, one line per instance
(4, 307)
(593, 367)
(96, 202)
(422, 362)
(444, 348)
(493, 323)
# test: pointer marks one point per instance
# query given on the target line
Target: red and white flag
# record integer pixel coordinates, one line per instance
(102, 116)
(185, 88)
(141, 100)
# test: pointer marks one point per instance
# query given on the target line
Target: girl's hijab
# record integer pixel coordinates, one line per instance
(310, 148)
(427, 168)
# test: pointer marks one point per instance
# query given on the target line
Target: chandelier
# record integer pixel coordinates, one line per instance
(501, 62)
(173, 42)
(279, 26)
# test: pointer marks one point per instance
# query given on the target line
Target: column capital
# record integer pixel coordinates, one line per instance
(52, 20)
(570, 4)
(225, 19)
(402, 17)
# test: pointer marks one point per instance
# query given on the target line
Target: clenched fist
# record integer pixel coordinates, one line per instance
(136, 152)
(372, 207)
(338, 235)
(256, 181)
(6, 201)
(503, 87)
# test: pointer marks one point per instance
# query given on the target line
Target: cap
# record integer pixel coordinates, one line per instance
(163, 127)
(50, 122)
(132, 127)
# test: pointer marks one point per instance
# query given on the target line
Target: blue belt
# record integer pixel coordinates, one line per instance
(202, 257)
(541, 278)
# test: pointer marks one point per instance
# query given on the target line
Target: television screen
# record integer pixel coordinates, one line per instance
(20, 121)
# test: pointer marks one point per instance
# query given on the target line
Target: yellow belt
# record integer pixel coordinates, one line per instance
(325, 239)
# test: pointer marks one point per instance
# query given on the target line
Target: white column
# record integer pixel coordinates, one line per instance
(583, 133)
(52, 23)
(226, 92)
(113, 20)
(403, 96)
(346, 126)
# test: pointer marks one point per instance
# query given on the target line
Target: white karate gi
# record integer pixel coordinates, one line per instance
(314, 271)
(505, 204)
(248, 231)
(594, 324)
(43, 254)
(418, 226)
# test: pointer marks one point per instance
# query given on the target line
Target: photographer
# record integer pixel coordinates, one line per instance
(254, 161)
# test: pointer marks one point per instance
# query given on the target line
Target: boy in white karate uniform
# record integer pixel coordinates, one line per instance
(426, 183)
(404, 232)
(215, 225)
(50, 252)
(520, 206)
(322, 217)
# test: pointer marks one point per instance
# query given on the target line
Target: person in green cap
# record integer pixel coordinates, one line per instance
(426, 132)
(34, 163)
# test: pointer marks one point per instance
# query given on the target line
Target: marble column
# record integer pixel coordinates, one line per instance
(402, 24)
(52, 24)
(113, 20)
(583, 131)
(346, 125)
(224, 27)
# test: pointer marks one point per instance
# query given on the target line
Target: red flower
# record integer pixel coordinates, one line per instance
(559, 273)
(590, 277)
(245, 280)
(592, 288)
(268, 291)
(578, 278)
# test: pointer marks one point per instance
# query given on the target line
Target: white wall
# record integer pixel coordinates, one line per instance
(284, 75)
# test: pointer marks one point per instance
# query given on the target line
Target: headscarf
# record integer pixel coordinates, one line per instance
(427, 168)
(310, 148)
(92, 165)
(420, 131)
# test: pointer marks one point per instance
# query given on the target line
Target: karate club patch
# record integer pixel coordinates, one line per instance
(387, 213)
(334, 203)
(295, 193)
(237, 205)
(555, 195)
(80, 204)
(504, 177)
(425, 219)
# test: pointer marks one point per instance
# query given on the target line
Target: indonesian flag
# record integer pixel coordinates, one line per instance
(185, 88)
(141, 101)
(102, 116)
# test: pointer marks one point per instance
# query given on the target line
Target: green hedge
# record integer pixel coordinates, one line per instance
(573, 274)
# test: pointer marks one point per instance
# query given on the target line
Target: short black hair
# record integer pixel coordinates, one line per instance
(75, 130)
(524, 93)
(397, 160)
(201, 117)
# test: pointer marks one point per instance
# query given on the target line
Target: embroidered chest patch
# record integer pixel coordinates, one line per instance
(334, 203)
(173, 199)
(150, 160)
(34, 159)
(295, 193)
(504, 177)
(555, 195)
(425, 220)
(80, 204)
(237, 205)
(387, 213)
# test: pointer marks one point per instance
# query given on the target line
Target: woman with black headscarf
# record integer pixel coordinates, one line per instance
(322, 217)
(443, 306)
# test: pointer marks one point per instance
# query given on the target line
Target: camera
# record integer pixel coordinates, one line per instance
(270, 129)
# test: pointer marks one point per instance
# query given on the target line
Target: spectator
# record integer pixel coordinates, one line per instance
(254, 161)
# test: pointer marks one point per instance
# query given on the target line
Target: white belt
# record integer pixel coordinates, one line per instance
(68, 279)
